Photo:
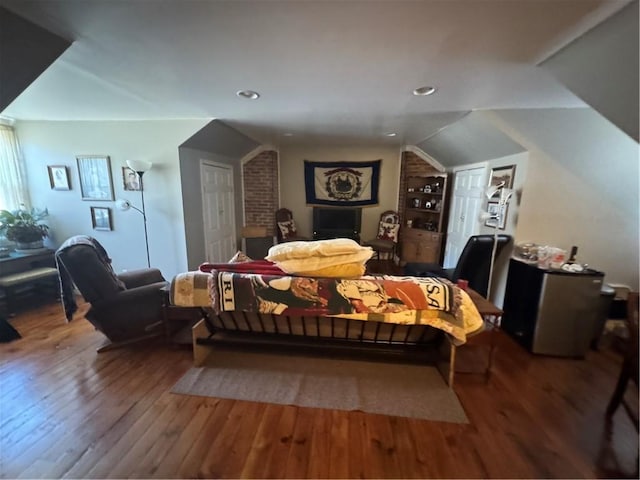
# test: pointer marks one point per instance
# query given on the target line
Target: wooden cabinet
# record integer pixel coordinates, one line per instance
(422, 234)
(420, 246)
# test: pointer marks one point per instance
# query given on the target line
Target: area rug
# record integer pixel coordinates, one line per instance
(397, 389)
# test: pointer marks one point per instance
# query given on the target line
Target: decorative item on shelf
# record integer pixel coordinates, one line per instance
(416, 203)
(427, 189)
(428, 205)
(24, 227)
(140, 167)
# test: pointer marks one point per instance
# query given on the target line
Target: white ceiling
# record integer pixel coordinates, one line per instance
(327, 71)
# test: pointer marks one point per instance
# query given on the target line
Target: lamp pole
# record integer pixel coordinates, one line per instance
(144, 219)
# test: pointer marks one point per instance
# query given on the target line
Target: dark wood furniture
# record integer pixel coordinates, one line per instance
(423, 233)
(629, 370)
(25, 276)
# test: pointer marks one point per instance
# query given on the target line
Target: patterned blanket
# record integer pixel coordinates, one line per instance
(403, 300)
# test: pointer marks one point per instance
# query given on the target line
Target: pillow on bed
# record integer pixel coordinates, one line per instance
(311, 264)
(344, 270)
(288, 229)
(240, 257)
(317, 248)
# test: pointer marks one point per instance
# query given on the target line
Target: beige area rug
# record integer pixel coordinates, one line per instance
(397, 389)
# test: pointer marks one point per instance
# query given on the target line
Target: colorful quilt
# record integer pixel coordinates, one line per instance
(392, 299)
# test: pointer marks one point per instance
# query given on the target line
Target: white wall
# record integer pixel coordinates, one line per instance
(582, 187)
(292, 193)
(58, 143)
(601, 67)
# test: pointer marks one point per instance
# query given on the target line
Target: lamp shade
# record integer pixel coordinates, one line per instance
(123, 205)
(139, 166)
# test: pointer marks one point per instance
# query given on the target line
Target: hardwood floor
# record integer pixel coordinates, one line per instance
(69, 412)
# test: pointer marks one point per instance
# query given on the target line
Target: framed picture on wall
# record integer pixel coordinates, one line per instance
(499, 175)
(58, 177)
(498, 215)
(101, 218)
(95, 177)
(131, 180)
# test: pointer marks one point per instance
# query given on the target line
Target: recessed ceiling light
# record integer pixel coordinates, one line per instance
(250, 94)
(391, 134)
(288, 134)
(424, 91)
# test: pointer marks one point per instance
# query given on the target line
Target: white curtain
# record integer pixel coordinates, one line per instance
(13, 178)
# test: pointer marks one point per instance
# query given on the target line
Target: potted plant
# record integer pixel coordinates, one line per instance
(23, 227)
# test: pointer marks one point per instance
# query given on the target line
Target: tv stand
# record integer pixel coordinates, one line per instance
(329, 233)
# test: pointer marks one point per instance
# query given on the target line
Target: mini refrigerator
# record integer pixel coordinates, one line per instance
(551, 312)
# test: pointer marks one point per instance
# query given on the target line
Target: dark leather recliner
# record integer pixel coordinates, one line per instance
(473, 265)
(124, 307)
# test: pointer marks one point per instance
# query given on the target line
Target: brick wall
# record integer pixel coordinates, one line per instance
(260, 183)
(412, 165)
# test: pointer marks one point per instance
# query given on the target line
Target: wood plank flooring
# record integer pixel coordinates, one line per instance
(69, 412)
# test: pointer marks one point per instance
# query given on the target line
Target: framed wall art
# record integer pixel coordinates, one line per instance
(131, 181)
(499, 175)
(101, 218)
(498, 214)
(94, 172)
(59, 177)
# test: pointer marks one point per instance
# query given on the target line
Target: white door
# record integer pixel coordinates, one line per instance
(464, 216)
(218, 212)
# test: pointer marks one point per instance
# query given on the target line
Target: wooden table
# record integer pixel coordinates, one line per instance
(492, 316)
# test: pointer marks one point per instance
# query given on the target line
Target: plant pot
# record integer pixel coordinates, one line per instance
(30, 245)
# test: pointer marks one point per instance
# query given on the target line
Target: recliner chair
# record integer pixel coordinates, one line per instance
(125, 307)
(473, 265)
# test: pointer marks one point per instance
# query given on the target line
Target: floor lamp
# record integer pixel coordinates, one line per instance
(140, 167)
(498, 217)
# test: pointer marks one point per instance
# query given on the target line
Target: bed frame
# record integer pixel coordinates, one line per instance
(420, 343)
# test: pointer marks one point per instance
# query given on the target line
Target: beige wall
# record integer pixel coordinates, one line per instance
(58, 143)
(292, 193)
(581, 188)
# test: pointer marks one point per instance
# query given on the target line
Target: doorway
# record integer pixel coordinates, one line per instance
(218, 211)
(464, 216)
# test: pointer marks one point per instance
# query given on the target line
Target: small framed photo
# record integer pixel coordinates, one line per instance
(101, 218)
(131, 181)
(95, 177)
(499, 175)
(59, 177)
(498, 215)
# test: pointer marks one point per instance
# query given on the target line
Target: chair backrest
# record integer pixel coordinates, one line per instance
(475, 261)
(632, 324)
(283, 216)
(88, 267)
(389, 226)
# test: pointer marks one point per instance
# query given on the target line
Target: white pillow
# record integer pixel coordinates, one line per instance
(317, 248)
(301, 265)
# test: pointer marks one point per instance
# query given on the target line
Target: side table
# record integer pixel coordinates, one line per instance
(178, 320)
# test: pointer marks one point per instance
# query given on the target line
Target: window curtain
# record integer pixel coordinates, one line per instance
(13, 178)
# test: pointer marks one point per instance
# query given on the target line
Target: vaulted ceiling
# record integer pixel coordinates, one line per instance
(326, 71)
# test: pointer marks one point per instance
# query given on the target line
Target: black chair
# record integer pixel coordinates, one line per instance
(473, 265)
(125, 307)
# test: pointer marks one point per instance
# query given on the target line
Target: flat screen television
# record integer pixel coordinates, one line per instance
(337, 218)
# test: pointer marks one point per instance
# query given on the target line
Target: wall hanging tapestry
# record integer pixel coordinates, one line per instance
(342, 183)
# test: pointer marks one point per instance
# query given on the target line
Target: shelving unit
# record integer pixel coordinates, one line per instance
(424, 226)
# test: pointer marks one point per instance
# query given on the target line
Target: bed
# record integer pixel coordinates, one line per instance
(381, 312)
